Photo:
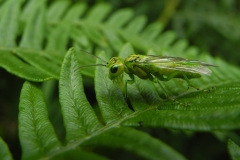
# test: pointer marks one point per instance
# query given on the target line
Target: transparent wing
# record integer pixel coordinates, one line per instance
(177, 63)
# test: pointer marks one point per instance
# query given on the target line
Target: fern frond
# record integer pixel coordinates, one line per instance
(46, 33)
(5, 153)
(83, 129)
(36, 133)
(33, 41)
(218, 109)
(234, 150)
(71, 95)
(215, 110)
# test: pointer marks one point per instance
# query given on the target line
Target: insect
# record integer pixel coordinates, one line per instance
(155, 69)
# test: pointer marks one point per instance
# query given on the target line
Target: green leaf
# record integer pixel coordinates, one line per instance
(136, 24)
(195, 110)
(79, 117)
(9, 24)
(179, 47)
(17, 67)
(81, 40)
(75, 12)
(36, 133)
(78, 154)
(98, 13)
(94, 34)
(47, 32)
(61, 43)
(29, 10)
(61, 25)
(57, 10)
(4, 151)
(35, 27)
(40, 62)
(83, 128)
(113, 39)
(166, 39)
(119, 18)
(85, 59)
(233, 150)
(135, 141)
(152, 31)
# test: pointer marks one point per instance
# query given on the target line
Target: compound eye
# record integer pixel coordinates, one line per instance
(114, 69)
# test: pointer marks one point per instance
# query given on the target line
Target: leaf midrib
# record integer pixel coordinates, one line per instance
(98, 132)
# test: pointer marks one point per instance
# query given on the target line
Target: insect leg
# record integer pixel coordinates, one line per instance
(130, 81)
(189, 83)
(167, 78)
(164, 91)
(164, 78)
(155, 80)
(172, 75)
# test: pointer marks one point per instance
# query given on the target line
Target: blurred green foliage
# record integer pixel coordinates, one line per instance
(213, 26)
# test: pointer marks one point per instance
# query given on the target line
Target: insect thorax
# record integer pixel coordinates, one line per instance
(131, 66)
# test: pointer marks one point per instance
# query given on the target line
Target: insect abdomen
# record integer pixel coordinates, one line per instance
(188, 74)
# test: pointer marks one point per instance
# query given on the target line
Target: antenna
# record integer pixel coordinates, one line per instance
(94, 56)
(91, 65)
